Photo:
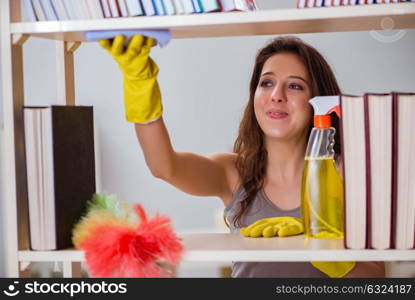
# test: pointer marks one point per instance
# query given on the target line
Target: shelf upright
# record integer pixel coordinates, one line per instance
(14, 170)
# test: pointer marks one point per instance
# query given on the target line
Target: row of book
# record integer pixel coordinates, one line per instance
(54, 10)
(330, 3)
(378, 146)
(60, 162)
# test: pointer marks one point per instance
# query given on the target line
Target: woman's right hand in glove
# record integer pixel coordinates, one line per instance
(142, 97)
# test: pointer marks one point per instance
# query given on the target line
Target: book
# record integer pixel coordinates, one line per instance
(237, 5)
(59, 147)
(378, 119)
(105, 8)
(48, 10)
(28, 11)
(148, 7)
(197, 8)
(37, 6)
(60, 9)
(81, 9)
(210, 5)
(159, 7)
(114, 8)
(94, 8)
(123, 8)
(403, 204)
(353, 149)
(178, 4)
(71, 10)
(188, 6)
(169, 7)
(134, 8)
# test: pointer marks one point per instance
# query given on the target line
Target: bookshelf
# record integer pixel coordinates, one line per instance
(69, 34)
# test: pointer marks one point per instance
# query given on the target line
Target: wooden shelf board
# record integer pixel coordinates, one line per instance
(262, 22)
(225, 247)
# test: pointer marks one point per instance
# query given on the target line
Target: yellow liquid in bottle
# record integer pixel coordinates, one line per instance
(322, 199)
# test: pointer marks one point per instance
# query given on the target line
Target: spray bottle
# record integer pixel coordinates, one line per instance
(322, 185)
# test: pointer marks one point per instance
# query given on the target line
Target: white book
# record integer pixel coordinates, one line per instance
(237, 5)
(60, 9)
(336, 2)
(169, 7)
(379, 137)
(354, 170)
(71, 10)
(148, 7)
(188, 6)
(40, 15)
(159, 7)
(105, 8)
(210, 5)
(94, 8)
(404, 171)
(48, 10)
(178, 4)
(39, 153)
(123, 8)
(310, 3)
(301, 3)
(81, 9)
(115, 13)
(134, 8)
(28, 11)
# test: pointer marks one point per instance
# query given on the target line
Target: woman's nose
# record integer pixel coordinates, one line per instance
(278, 95)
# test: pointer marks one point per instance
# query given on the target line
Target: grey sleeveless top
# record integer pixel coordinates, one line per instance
(260, 208)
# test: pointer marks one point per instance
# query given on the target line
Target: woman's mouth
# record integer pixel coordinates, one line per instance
(277, 114)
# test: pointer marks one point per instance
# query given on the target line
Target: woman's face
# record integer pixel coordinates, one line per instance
(281, 98)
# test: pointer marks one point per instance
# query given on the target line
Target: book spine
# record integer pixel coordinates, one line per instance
(134, 8)
(48, 10)
(70, 9)
(105, 8)
(395, 154)
(123, 8)
(210, 5)
(368, 174)
(169, 6)
(188, 6)
(179, 7)
(148, 7)
(28, 11)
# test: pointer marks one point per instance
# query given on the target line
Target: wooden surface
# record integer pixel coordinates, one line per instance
(262, 22)
(225, 247)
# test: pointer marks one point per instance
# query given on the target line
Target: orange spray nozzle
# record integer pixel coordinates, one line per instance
(322, 121)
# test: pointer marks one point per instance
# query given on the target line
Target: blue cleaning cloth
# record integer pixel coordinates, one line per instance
(162, 36)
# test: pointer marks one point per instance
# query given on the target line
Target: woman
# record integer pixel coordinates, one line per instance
(262, 178)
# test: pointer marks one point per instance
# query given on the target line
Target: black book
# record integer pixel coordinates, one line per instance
(59, 144)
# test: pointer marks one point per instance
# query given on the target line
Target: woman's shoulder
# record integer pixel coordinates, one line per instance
(226, 160)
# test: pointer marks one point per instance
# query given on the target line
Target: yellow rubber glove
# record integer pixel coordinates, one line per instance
(277, 226)
(287, 226)
(142, 97)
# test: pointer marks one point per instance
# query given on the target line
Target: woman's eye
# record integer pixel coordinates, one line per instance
(266, 83)
(296, 86)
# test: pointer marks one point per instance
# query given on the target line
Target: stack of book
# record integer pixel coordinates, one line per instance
(378, 149)
(328, 3)
(60, 161)
(58, 10)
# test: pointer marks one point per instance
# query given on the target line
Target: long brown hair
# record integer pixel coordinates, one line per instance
(249, 146)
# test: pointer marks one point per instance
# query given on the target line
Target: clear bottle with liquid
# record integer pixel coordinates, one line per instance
(322, 201)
